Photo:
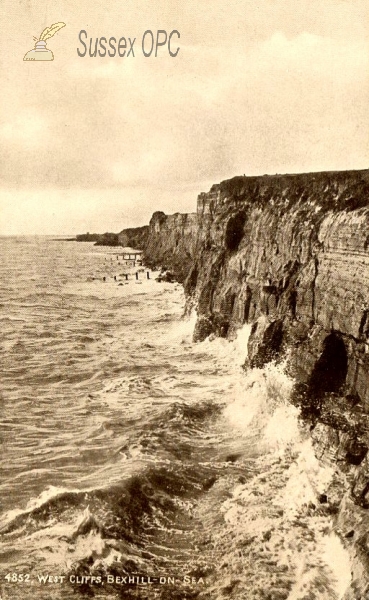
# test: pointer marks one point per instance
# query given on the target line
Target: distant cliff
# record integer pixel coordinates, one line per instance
(107, 239)
(172, 242)
(100, 239)
(134, 237)
(86, 237)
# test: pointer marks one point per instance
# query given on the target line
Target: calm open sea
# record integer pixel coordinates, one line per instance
(136, 464)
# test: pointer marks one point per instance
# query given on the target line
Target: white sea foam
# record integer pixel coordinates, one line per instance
(49, 493)
(337, 557)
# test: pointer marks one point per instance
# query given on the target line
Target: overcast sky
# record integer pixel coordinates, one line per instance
(98, 144)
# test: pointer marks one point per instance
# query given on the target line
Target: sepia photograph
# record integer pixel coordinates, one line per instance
(184, 300)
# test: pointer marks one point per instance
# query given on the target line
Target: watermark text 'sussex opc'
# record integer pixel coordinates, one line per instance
(152, 43)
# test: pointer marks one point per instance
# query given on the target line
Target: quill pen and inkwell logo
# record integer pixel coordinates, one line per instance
(40, 52)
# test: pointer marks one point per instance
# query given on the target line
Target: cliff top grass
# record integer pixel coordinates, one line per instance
(331, 190)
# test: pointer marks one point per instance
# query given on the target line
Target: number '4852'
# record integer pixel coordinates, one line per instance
(17, 577)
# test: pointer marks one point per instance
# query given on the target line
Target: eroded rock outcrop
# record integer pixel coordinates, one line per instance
(171, 243)
(134, 237)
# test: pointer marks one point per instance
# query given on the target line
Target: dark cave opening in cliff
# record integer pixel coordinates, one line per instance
(234, 231)
(330, 370)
